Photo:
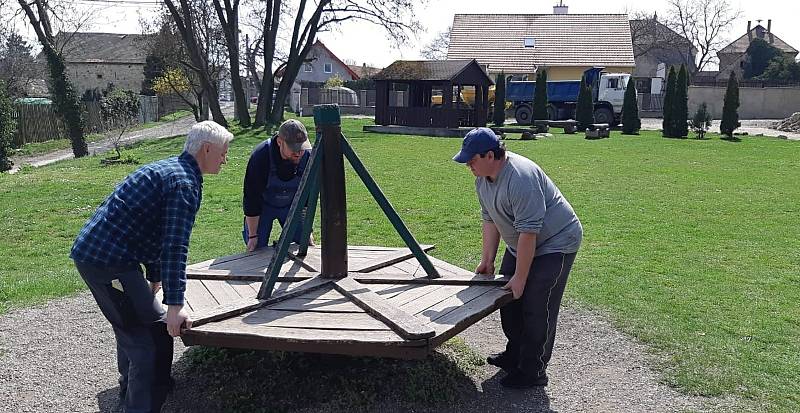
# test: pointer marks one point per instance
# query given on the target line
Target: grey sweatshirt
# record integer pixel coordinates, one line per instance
(524, 199)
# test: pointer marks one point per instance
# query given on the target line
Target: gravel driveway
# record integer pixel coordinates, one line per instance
(59, 357)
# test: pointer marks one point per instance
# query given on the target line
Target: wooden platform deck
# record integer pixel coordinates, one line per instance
(386, 307)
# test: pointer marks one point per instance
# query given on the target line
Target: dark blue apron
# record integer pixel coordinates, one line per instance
(277, 198)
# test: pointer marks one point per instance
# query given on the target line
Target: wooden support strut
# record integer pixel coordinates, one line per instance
(387, 208)
(292, 221)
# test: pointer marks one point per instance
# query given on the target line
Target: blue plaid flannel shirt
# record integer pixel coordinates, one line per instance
(147, 220)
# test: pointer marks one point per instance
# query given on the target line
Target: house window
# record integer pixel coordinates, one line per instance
(328, 68)
(307, 67)
(99, 76)
(530, 42)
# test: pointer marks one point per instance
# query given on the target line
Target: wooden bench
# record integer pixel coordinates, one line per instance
(569, 125)
(541, 126)
(597, 131)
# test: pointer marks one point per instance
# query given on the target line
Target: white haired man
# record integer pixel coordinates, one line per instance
(522, 205)
(147, 221)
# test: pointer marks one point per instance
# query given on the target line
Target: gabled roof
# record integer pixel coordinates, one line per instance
(646, 31)
(103, 47)
(560, 40)
(429, 70)
(324, 48)
(740, 45)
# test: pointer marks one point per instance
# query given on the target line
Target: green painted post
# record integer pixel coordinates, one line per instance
(333, 199)
(292, 222)
(384, 203)
(311, 210)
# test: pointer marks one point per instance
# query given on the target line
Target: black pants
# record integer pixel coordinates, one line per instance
(144, 347)
(529, 322)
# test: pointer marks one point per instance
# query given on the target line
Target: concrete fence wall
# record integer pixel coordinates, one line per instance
(754, 103)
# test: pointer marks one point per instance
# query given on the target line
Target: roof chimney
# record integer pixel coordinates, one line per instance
(560, 8)
(749, 34)
(769, 31)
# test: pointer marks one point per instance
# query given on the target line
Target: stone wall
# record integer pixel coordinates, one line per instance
(755, 103)
(86, 76)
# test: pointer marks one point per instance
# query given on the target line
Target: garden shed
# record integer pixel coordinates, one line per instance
(432, 93)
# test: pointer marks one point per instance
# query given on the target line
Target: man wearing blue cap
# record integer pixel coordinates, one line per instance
(542, 234)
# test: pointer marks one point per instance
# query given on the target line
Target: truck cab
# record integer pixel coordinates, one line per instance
(612, 90)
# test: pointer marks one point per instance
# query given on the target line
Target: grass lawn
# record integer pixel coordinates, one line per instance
(691, 246)
(40, 148)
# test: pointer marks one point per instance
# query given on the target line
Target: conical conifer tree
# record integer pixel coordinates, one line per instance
(680, 104)
(630, 111)
(730, 108)
(540, 96)
(499, 115)
(669, 97)
(584, 112)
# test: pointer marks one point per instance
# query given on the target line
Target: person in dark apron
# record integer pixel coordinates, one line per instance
(271, 181)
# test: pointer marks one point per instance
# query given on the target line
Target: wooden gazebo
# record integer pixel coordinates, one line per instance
(431, 94)
(337, 298)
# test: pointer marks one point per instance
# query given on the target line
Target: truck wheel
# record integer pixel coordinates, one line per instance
(523, 115)
(603, 115)
(551, 113)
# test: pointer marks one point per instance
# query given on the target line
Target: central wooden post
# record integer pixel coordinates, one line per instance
(332, 193)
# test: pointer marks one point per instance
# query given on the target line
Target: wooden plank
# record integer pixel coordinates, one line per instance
(222, 291)
(294, 274)
(412, 294)
(469, 279)
(198, 295)
(243, 288)
(453, 302)
(339, 305)
(307, 319)
(388, 259)
(401, 322)
(458, 320)
(366, 343)
(389, 290)
(434, 297)
(244, 305)
(447, 267)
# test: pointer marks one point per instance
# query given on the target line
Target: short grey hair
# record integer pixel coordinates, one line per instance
(206, 131)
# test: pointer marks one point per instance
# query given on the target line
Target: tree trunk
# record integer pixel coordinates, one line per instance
(229, 19)
(270, 35)
(186, 28)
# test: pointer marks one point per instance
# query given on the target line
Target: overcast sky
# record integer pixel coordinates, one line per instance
(364, 43)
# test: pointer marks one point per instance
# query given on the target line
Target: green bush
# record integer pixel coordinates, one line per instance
(701, 121)
(65, 101)
(669, 97)
(7, 128)
(630, 111)
(730, 108)
(540, 96)
(119, 106)
(584, 112)
(759, 54)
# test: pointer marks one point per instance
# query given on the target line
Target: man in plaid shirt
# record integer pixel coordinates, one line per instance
(147, 221)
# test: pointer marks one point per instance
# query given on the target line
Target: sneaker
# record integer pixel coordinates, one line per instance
(519, 380)
(502, 360)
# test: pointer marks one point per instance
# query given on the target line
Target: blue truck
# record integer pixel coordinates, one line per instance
(608, 93)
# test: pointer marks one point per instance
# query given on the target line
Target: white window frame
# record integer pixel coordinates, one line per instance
(328, 68)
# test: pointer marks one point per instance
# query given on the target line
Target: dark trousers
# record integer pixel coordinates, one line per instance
(144, 347)
(529, 322)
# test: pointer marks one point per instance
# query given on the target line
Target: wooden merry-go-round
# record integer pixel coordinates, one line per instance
(336, 298)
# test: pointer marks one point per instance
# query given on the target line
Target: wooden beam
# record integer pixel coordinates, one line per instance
(404, 324)
(476, 279)
(390, 259)
(249, 304)
(208, 274)
(333, 203)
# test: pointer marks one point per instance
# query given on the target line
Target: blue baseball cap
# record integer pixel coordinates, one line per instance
(478, 140)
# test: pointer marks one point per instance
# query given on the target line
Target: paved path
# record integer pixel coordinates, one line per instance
(752, 127)
(178, 127)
